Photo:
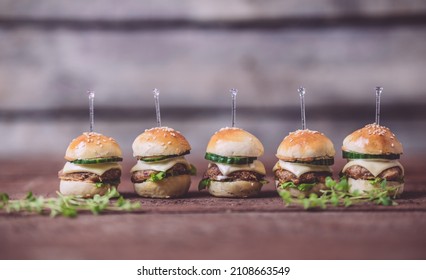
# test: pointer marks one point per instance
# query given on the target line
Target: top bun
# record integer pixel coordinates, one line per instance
(234, 142)
(305, 145)
(160, 141)
(372, 139)
(91, 145)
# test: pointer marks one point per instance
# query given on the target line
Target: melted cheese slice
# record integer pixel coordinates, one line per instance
(257, 166)
(96, 168)
(373, 165)
(299, 168)
(162, 165)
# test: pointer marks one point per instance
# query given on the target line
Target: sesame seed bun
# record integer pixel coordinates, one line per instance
(91, 145)
(174, 186)
(372, 139)
(238, 189)
(160, 141)
(305, 145)
(235, 142)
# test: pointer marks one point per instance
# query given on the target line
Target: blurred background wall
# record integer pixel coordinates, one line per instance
(52, 52)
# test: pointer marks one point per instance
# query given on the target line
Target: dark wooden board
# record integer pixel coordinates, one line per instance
(203, 227)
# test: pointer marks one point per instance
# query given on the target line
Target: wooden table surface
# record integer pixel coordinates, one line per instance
(203, 227)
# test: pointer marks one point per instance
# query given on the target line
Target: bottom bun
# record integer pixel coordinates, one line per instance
(85, 189)
(170, 187)
(365, 185)
(316, 189)
(234, 189)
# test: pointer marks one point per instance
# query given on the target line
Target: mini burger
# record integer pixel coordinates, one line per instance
(234, 170)
(305, 157)
(92, 166)
(372, 153)
(161, 170)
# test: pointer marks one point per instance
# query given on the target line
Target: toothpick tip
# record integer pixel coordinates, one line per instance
(234, 91)
(301, 90)
(156, 92)
(379, 89)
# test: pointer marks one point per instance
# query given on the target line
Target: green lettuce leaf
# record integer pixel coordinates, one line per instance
(155, 177)
(204, 184)
(193, 170)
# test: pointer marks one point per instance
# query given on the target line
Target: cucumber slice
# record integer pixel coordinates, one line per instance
(158, 158)
(354, 155)
(229, 160)
(322, 161)
(96, 160)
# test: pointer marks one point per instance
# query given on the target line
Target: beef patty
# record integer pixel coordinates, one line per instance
(284, 176)
(359, 172)
(143, 175)
(111, 175)
(243, 175)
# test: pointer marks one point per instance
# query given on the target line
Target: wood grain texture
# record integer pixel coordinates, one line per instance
(203, 227)
(42, 70)
(52, 52)
(205, 10)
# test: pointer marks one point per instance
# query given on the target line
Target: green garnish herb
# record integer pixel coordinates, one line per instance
(107, 183)
(338, 194)
(155, 177)
(67, 206)
(193, 170)
(204, 184)
(264, 181)
(301, 187)
(378, 182)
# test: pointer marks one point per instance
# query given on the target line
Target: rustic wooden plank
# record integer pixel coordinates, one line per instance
(202, 227)
(299, 235)
(205, 10)
(53, 69)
